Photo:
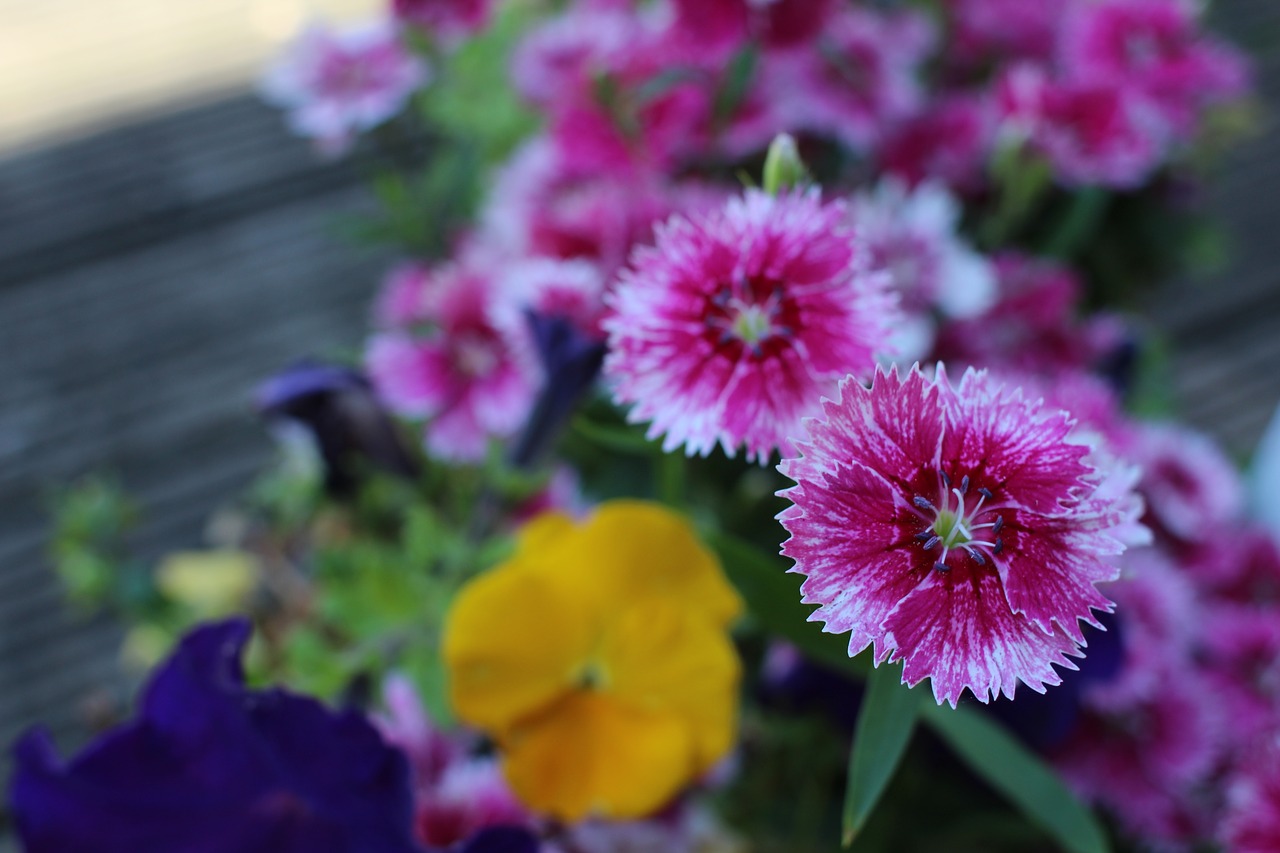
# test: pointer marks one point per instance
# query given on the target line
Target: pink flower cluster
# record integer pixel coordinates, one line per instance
(337, 84)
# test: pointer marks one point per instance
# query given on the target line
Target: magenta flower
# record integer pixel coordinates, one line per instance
(859, 78)
(1252, 824)
(1192, 489)
(337, 84)
(1091, 132)
(949, 140)
(463, 376)
(449, 19)
(958, 529)
(1003, 30)
(1153, 47)
(736, 323)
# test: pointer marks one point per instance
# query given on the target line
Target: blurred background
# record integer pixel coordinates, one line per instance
(165, 244)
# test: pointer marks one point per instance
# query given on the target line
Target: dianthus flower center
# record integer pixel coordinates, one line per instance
(959, 523)
(739, 315)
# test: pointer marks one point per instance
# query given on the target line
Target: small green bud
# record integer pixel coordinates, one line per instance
(783, 168)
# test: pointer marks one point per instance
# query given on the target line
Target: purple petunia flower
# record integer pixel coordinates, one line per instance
(733, 326)
(210, 766)
(958, 529)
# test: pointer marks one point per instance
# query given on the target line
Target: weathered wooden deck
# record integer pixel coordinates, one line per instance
(150, 275)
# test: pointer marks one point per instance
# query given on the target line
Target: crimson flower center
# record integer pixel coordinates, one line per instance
(739, 315)
(958, 522)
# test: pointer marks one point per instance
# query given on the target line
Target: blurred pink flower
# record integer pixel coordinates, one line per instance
(859, 77)
(542, 205)
(1034, 325)
(1005, 30)
(958, 529)
(1091, 132)
(948, 140)
(1252, 824)
(912, 236)
(462, 375)
(1192, 489)
(1153, 47)
(1146, 762)
(449, 19)
(336, 84)
(455, 795)
(732, 327)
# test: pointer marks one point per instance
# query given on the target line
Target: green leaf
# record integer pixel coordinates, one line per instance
(773, 598)
(1078, 223)
(885, 723)
(624, 439)
(733, 88)
(1020, 776)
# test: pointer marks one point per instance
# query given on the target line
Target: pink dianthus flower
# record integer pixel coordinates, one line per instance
(337, 84)
(736, 323)
(463, 375)
(958, 529)
(450, 19)
(1152, 47)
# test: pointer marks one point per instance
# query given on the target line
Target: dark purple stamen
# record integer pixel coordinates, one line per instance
(942, 567)
(995, 528)
(964, 485)
(998, 547)
(977, 557)
(986, 493)
(932, 543)
(946, 481)
(924, 503)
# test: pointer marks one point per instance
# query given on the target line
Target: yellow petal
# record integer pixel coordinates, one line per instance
(544, 531)
(514, 641)
(660, 656)
(589, 754)
(209, 582)
(634, 549)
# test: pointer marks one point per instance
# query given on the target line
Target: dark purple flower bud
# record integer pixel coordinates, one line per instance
(1045, 720)
(571, 361)
(210, 766)
(337, 407)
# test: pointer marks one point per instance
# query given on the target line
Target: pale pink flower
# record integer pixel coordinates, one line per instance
(562, 56)
(1155, 48)
(912, 236)
(731, 328)
(1192, 489)
(541, 205)
(462, 376)
(958, 529)
(403, 300)
(1091, 132)
(336, 84)
(859, 78)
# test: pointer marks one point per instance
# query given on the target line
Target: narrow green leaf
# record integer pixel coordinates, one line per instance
(624, 439)
(1020, 776)
(733, 88)
(773, 598)
(885, 723)
(1078, 224)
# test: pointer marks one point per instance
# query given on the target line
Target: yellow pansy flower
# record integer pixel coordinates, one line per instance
(599, 658)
